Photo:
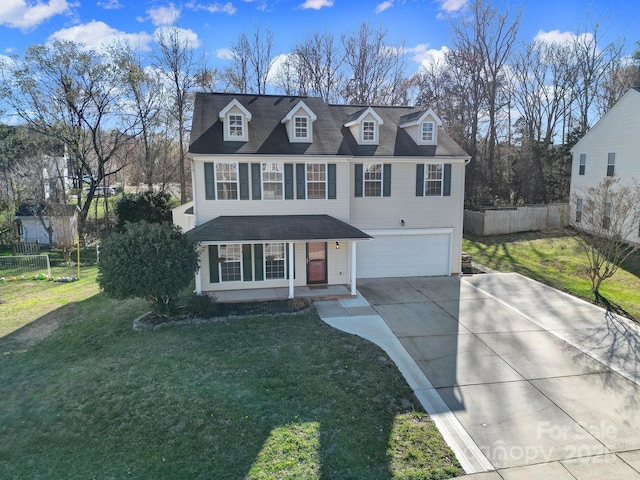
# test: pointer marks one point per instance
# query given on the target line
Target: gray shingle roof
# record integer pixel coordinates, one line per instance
(267, 135)
(271, 228)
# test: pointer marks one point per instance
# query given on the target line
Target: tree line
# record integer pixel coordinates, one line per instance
(515, 107)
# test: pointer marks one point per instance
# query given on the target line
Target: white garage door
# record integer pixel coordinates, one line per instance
(403, 256)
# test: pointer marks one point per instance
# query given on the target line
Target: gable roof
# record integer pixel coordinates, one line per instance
(418, 117)
(267, 135)
(235, 103)
(296, 108)
(361, 115)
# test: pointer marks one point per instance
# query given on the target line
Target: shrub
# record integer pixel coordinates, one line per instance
(149, 206)
(150, 261)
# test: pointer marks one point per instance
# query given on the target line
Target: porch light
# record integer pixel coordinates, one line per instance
(337, 245)
(402, 222)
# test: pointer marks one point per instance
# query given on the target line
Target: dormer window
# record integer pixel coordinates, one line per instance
(301, 128)
(235, 118)
(299, 123)
(364, 125)
(422, 126)
(236, 126)
(368, 131)
(427, 132)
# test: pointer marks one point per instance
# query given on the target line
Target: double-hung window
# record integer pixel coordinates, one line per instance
(433, 180)
(301, 127)
(230, 262)
(427, 131)
(316, 180)
(368, 131)
(611, 164)
(583, 164)
(272, 181)
(236, 127)
(372, 179)
(578, 210)
(227, 181)
(274, 261)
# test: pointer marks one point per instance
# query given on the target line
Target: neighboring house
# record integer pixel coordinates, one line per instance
(34, 225)
(289, 191)
(609, 149)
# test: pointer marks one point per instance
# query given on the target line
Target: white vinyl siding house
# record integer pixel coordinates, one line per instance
(322, 194)
(609, 149)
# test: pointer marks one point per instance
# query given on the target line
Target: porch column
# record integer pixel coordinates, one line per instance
(353, 269)
(291, 279)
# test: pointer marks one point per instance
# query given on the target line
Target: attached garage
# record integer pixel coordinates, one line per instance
(411, 254)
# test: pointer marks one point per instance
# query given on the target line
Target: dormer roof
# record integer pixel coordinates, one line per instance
(294, 111)
(416, 118)
(238, 105)
(360, 115)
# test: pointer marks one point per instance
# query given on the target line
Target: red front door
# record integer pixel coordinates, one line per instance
(316, 262)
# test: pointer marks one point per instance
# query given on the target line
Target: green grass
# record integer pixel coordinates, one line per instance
(554, 258)
(83, 395)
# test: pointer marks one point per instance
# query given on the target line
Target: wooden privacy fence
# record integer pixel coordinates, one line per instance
(501, 220)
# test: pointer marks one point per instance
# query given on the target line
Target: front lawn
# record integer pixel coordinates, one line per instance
(554, 258)
(83, 395)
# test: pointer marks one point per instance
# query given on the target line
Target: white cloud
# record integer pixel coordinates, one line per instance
(316, 4)
(450, 6)
(562, 38)
(97, 35)
(227, 8)
(224, 54)
(19, 14)
(110, 4)
(186, 35)
(384, 6)
(428, 57)
(164, 15)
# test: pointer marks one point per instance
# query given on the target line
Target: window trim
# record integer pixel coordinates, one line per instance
(433, 132)
(284, 260)
(582, 164)
(231, 119)
(262, 179)
(220, 275)
(307, 181)
(611, 164)
(579, 206)
(365, 180)
(307, 127)
(441, 179)
(215, 178)
(374, 131)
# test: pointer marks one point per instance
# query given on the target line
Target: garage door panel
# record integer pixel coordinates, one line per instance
(403, 256)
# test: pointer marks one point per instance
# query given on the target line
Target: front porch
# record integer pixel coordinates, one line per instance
(323, 292)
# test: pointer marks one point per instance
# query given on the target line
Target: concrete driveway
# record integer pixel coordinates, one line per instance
(520, 378)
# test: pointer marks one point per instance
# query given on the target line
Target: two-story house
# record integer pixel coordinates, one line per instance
(289, 191)
(609, 149)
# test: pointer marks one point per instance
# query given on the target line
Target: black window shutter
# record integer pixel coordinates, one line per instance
(213, 264)
(301, 181)
(243, 174)
(420, 180)
(446, 179)
(256, 182)
(288, 181)
(331, 181)
(286, 262)
(258, 253)
(209, 182)
(358, 180)
(386, 180)
(246, 263)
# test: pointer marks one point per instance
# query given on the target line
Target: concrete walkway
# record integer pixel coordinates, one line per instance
(520, 378)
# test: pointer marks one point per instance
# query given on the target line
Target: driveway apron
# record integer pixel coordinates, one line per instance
(545, 385)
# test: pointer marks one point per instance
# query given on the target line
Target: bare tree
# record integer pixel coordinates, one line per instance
(251, 61)
(175, 60)
(375, 70)
(319, 60)
(605, 218)
(68, 93)
(236, 75)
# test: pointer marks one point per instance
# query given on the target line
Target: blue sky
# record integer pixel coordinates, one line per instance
(213, 26)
